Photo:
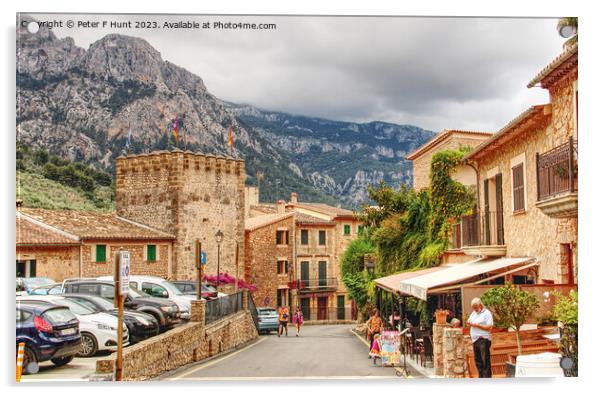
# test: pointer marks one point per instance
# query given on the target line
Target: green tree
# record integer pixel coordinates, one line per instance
(511, 307)
(354, 277)
(566, 312)
(41, 157)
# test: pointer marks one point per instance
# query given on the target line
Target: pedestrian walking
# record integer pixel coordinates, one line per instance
(480, 323)
(298, 320)
(374, 325)
(283, 317)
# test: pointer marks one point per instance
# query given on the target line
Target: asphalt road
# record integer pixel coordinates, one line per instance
(80, 369)
(322, 351)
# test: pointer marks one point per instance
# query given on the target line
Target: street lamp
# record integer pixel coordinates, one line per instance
(219, 236)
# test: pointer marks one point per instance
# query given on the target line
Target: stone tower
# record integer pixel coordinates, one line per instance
(191, 196)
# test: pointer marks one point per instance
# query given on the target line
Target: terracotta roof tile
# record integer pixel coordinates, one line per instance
(32, 233)
(442, 136)
(306, 219)
(325, 209)
(264, 220)
(92, 225)
(568, 57)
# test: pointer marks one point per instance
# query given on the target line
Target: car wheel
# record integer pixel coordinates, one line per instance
(62, 361)
(28, 357)
(89, 345)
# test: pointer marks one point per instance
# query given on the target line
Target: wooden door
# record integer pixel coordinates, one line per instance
(322, 307)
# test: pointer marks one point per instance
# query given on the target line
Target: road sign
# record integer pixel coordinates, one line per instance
(203, 258)
(124, 272)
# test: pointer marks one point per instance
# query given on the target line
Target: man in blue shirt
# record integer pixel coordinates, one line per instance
(480, 323)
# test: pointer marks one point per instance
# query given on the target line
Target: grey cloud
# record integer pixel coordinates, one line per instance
(433, 72)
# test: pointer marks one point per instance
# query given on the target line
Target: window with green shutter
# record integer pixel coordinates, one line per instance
(360, 230)
(101, 253)
(151, 253)
(347, 230)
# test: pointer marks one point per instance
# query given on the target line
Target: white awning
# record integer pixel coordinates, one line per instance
(419, 286)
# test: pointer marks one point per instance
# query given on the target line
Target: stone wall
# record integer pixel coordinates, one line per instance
(454, 354)
(191, 196)
(182, 345)
(438, 359)
(57, 262)
(422, 163)
(261, 257)
(138, 264)
(531, 232)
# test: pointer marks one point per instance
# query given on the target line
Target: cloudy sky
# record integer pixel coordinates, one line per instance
(436, 73)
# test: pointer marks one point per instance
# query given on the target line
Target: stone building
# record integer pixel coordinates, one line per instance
(64, 244)
(321, 235)
(527, 177)
(269, 259)
(446, 139)
(191, 196)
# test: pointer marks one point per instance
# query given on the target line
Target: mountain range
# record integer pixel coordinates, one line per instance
(81, 104)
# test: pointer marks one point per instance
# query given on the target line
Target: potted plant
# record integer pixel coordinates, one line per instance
(441, 316)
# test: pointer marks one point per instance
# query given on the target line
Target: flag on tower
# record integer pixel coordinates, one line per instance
(230, 139)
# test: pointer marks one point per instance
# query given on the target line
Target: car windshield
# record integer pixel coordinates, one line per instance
(134, 293)
(37, 281)
(171, 288)
(75, 307)
(267, 312)
(103, 303)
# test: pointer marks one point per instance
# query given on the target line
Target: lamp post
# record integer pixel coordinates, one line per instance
(219, 236)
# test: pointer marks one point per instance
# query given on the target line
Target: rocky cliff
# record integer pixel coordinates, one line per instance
(80, 104)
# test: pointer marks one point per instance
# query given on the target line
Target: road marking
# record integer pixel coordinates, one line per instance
(211, 363)
(398, 370)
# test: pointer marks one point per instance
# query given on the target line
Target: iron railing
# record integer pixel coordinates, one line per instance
(314, 284)
(482, 228)
(253, 310)
(557, 171)
(219, 308)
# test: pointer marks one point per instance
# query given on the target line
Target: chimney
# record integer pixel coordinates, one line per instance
(294, 197)
(280, 207)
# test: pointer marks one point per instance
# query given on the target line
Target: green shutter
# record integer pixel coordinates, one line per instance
(360, 230)
(347, 229)
(101, 253)
(151, 253)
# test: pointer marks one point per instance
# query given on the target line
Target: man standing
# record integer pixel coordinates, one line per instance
(480, 323)
(283, 317)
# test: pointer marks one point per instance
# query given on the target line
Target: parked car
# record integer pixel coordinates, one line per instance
(140, 325)
(189, 288)
(49, 332)
(267, 319)
(98, 330)
(48, 289)
(164, 311)
(161, 288)
(26, 284)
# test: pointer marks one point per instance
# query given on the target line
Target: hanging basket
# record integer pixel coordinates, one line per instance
(441, 316)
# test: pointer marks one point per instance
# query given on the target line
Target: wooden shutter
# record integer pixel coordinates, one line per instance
(305, 271)
(101, 253)
(499, 206)
(151, 252)
(322, 273)
(304, 237)
(518, 187)
(322, 236)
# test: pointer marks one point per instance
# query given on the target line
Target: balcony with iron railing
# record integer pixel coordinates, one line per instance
(557, 180)
(318, 284)
(480, 234)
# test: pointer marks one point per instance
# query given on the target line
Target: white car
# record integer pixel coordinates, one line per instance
(98, 330)
(159, 287)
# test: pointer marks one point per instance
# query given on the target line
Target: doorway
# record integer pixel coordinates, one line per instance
(322, 307)
(26, 268)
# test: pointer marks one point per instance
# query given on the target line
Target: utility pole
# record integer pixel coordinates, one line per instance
(121, 278)
(199, 265)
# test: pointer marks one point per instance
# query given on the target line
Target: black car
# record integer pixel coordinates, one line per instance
(189, 288)
(165, 311)
(140, 325)
(50, 332)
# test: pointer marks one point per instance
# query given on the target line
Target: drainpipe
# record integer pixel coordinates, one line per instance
(81, 261)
